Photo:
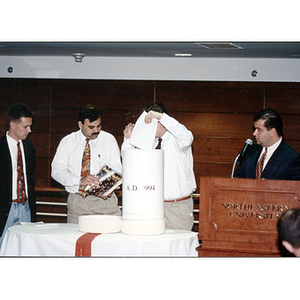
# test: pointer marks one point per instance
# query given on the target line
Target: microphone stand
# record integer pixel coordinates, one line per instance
(235, 161)
(248, 142)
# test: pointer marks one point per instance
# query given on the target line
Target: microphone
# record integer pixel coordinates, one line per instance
(242, 153)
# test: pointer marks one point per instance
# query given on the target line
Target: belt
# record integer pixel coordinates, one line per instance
(181, 199)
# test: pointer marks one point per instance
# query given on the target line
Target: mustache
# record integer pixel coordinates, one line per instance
(95, 133)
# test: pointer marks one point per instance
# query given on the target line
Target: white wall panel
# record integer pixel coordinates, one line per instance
(136, 68)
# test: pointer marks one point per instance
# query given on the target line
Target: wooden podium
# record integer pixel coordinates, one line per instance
(238, 217)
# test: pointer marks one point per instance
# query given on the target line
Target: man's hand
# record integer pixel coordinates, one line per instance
(152, 115)
(90, 180)
(128, 130)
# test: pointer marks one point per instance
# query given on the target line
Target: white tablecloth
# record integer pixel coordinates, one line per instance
(60, 240)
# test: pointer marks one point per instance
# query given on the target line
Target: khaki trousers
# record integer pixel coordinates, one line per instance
(91, 205)
(179, 215)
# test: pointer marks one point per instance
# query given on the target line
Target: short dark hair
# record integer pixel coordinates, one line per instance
(272, 120)
(289, 227)
(90, 112)
(16, 112)
(159, 107)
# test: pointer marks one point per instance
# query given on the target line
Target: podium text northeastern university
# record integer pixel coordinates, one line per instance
(238, 217)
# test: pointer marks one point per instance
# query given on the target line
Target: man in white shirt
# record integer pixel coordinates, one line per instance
(67, 165)
(179, 179)
(281, 161)
(17, 164)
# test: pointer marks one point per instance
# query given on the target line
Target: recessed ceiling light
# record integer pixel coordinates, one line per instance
(183, 54)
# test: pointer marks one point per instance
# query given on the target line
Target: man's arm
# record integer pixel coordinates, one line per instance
(127, 134)
(183, 136)
(60, 171)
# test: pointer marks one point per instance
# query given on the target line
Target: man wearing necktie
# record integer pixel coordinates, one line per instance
(17, 163)
(270, 157)
(79, 157)
(179, 179)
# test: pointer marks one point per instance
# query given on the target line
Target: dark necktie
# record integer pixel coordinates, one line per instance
(260, 165)
(85, 166)
(21, 194)
(159, 144)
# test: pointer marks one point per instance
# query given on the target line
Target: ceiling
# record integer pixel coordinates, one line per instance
(154, 49)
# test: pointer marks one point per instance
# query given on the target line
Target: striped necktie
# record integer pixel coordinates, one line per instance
(260, 165)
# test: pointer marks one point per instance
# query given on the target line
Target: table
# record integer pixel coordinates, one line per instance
(60, 239)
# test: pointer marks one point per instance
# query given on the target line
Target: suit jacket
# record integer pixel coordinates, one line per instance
(284, 164)
(6, 179)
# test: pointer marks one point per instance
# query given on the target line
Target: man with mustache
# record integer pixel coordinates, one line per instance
(67, 165)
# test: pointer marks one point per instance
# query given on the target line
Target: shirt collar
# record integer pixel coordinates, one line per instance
(11, 140)
(82, 137)
(274, 146)
(165, 135)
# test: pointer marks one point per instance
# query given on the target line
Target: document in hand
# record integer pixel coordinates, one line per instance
(143, 135)
(109, 179)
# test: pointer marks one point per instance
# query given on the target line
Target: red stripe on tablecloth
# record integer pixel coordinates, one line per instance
(84, 244)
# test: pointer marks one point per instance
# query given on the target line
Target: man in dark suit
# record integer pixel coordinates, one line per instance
(279, 160)
(17, 184)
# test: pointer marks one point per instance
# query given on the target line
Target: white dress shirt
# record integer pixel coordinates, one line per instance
(270, 151)
(179, 178)
(66, 164)
(13, 149)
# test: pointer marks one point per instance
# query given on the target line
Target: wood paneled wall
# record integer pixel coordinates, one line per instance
(218, 113)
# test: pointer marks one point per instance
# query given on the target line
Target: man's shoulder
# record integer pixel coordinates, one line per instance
(105, 134)
(3, 143)
(2, 139)
(29, 148)
(27, 143)
(289, 151)
(71, 136)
